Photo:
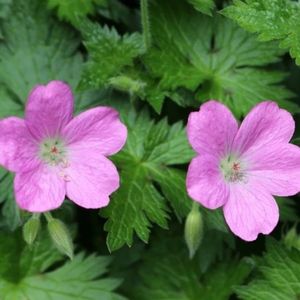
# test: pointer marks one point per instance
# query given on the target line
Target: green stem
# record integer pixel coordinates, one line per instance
(195, 206)
(35, 215)
(145, 23)
(48, 216)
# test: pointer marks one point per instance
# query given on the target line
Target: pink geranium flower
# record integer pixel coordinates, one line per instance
(54, 154)
(240, 168)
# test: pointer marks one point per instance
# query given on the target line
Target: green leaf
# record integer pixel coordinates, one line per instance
(288, 209)
(213, 58)
(144, 164)
(10, 212)
(280, 275)
(72, 10)
(109, 54)
(167, 273)
(5, 6)
(36, 49)
(271, 19)
(24, 273)
(204, 6)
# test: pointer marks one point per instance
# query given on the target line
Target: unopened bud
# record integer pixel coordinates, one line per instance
(61, 237)
(193, 230)
(31, 229)
(291, 239)
(124, 83)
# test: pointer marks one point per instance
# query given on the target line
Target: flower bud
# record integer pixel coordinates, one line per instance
(31, 229)
(124, 83)
(292, 239)
(193, 230)
(61, 237)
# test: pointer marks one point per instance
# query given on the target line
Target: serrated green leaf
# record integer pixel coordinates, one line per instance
(71, 10)
(135, 204)
(109, 54)
(280, 275)
(150, 149)
(213, 58)
(204, 6)
(271, 19)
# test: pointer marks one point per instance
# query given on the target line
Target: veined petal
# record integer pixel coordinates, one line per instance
(98, 129)
(266, 124)
(18, 151)
(40, 189)
(212, 129)
(205, 183)
(91, 178)
(276, 167)
(250, 210)
(49, 109)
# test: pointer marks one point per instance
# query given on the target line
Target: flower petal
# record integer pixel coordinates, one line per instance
(277, 168)
(49, 109)
(91, 178)
(265, 124)
(18, 152)
(250, 210)
(39, 190)
(205, 183)
(99, 129)
(212, 129)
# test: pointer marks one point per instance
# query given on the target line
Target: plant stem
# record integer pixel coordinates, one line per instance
(195, 206)
(35, 215)
(145, 23)
(48, 216)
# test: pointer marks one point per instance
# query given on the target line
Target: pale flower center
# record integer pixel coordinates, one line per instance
(53, 151)
(232, 169)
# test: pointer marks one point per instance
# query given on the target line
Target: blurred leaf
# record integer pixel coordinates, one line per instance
(280, 275)
(271, 19)
(167, 273)
(288, 209)
(24, 273)
(36, 49)
(10, 212)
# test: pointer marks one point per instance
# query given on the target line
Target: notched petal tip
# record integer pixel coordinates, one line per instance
(212, 129)
(250, 211)
(49, 108)
(265, 125)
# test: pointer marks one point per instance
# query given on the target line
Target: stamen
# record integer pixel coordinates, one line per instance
(52, 151)
(236, 167)
(65, 163)
(65, 176)
(232, 169)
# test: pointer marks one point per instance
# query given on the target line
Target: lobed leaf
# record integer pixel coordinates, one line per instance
(271, 19)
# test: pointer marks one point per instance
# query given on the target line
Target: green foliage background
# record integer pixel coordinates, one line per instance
(155, 61)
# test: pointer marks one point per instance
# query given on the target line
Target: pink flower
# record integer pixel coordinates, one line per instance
(54, 154)
(240, 168)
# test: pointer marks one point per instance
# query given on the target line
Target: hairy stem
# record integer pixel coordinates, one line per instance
(48, 216)
(145, 23)
(195, 206)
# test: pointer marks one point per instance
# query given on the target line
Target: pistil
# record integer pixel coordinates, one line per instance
(232, 169)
